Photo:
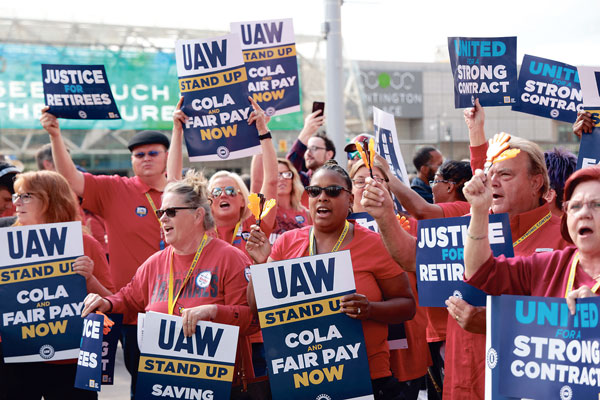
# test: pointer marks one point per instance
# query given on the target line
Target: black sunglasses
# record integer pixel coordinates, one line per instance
(229, 191)
(172, 211)
(331, 191)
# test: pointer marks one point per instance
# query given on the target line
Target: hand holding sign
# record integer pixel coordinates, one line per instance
(50, 122)
(259, 117)
(258, 246)
(471, 319)
(475, 120)
(179, 117)
(583, 123)
(94, 302)
(191, 316)
(356, 306)
(84, 266)
(580, 293)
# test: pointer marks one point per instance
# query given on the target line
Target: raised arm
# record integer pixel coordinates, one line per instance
(61, 157)
(175, 157)
(311, 125)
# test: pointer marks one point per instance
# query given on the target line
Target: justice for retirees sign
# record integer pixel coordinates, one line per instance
(78, 92)
(312, 348)
(541, 351)
(270, 55)
(175, 366)
(440, 258)
(214, 85)
(42, 297)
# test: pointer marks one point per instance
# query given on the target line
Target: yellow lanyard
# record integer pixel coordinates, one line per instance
(313, 245)
(162, 242)
(534, 228)
(172, 300)
(235, 231)
(572, 276)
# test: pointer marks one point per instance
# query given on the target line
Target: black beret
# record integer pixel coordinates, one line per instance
(147, 137)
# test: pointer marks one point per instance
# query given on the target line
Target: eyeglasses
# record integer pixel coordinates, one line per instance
(360, 182)
(314, 149)
(330, 191)
(286, 175)
(433, 182)
(151, 153)
(218, 191)
(25, 197)
(171, 211)
(574, 206)
(353, 155)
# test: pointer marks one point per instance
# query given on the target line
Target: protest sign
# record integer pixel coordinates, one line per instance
(589, 147)
(110, 343)
(484, 68)
(196, 367)
(365, 220)
(549, 89)
(590, 85)
(313, 350)
(270, 55)
(78, 92)
(440, 258)
(89, 362)
(544, 352)
(213, 82)
(42, 297)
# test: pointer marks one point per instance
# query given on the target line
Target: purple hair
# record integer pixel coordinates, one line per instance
(561, 163)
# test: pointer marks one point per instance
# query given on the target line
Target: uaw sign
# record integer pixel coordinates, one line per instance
(392, 89)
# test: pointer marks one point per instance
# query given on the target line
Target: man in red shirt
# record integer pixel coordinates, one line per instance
(127, 206)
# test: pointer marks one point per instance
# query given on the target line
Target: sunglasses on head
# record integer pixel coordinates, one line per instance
(151, 153)
(330, 191)
(218, 191)
(172, 211)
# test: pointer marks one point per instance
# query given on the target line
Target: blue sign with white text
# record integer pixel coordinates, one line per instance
(589, 148)
(78, 92)
(544, 351)
(484, 68)
(109, 349)
(440, 258)
(89, 362)
(549, 89)
(214, 85)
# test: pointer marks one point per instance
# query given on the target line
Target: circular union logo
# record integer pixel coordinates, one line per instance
(492, 358)
(457, 294)
(322, 397)
(46, 352)
(566, 393)
(554, 113)
(82, 114)
(270, 111)
(223, 152)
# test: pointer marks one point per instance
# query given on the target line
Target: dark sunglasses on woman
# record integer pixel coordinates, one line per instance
(172, 211)
(330, 191)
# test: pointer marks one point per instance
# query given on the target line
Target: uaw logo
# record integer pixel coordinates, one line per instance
(323, 396)
(46, 352)
(270, 111)
(491, 358)
(141, 211)
(222, 152)
(566, 393)
(458, 294)
(554, 113)
(82, 114)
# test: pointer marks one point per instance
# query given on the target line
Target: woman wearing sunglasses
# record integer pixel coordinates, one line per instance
(383, 294)
(197, 276)
(45, 197)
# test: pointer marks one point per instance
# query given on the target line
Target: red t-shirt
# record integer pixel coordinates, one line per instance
(370, 262)
(94, 250)
(288, 219)
(218, 278)
(132, 227)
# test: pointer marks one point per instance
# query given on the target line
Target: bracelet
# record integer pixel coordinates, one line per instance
(265, 136)
(476, 237)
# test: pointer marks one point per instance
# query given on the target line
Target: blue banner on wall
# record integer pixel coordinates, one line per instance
(78, 92)
(174, 366)
(544, 352)
(313, 350)
(484, 68)
(549, 89)
(270, 55)
(589, 148)
(214, 85)
(89, 362)
(42, 297)
(440, 258)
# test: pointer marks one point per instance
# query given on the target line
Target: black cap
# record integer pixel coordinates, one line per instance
(7, 176)
(148, 137)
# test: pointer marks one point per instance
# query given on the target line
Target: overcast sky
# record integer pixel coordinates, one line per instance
(385, 30)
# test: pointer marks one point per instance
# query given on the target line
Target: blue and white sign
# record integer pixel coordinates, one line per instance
(89, 362)
(549, 89)
(214, 85)
(590, 86)
(440, 258)
(78, 92)
(544, 352)
(589, 148)
(365, 220)
(270, 55)
(484, 68)
(175, 366)
(110, 343)
(313, 350)
(42, 297)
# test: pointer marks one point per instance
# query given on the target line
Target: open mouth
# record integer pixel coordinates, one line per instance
(224, 205)
(323, 211)
(496, 196)
(167, 229)
(585, 231)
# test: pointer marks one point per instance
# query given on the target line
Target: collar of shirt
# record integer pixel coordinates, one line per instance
(521, 223)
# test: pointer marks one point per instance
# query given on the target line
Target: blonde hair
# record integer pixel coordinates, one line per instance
(59, 202)
(297, 186)
(246, 213)
(193, 189)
